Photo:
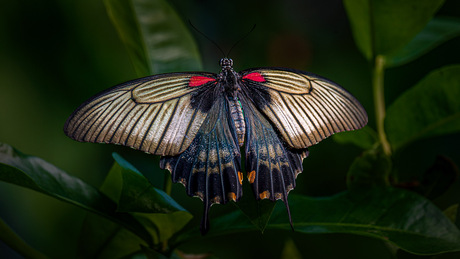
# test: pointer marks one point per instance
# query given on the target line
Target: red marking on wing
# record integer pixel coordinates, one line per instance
(199, 80)
(256, 76)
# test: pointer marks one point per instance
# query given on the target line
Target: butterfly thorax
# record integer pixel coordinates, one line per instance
(228, 78)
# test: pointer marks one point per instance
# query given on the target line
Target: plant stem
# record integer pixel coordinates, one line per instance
(379, 101)
(11, 239)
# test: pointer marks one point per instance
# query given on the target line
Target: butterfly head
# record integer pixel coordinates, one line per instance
(226, 63)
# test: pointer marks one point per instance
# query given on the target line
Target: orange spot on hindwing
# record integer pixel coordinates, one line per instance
(252, 176)
(264, 195)
(278, 196)
(231, 196)
(216, 199)
(240, 177)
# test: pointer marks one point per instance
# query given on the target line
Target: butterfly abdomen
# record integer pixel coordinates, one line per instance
(238, 118)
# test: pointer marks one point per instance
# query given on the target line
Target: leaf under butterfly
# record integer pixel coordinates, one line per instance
(35, 173)
(158, 213)
(402, 218)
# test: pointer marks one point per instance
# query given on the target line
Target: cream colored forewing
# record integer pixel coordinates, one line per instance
(152, 114)
(305, 108)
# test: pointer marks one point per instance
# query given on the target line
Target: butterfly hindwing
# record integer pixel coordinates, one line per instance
(271, 165)
(304, 108)
(159, 114)
(210, 167)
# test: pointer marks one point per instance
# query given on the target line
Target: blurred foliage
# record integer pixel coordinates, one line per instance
(56, 54)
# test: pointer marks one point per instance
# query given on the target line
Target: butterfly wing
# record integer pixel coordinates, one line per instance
(271, 165)
(287, 111)
(159, 114)
(210, 167)
(305, 108)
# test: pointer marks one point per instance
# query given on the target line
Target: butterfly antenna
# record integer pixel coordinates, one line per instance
(204, 35)
(241, 39)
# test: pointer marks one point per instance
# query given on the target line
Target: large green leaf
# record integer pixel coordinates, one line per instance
(133, 193)
(102, 238)
(156, 39)
(403, 218)
(381, 27)
(437, 31)
(430, 108)
(37, 174)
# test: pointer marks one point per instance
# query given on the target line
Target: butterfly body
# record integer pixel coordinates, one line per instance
(198, 122)
(238, 118)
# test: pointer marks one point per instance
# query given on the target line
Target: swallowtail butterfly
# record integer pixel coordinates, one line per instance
(198, 121)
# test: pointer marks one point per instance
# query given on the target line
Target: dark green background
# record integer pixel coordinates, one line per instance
(56, 54)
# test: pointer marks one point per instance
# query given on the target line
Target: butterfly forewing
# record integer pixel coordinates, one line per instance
(304, 108)
(159, 114)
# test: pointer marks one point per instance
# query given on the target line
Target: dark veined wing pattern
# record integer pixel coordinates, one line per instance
(210, 167)
(159, 114)
(305, 108)
(271, 166)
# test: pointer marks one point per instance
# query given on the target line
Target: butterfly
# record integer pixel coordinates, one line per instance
(200, 123)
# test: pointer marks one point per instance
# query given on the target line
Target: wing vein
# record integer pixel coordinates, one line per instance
(150, 126)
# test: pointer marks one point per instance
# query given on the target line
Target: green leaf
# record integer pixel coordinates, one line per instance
(381, 27)
(437, 31)
(11, 239)
(130, 190)
(430, 108)
(258, 212)
(360, 16)
(403, 218)
(155, 37)
(164, 226)
(364, 138)
(369, 170)
(37, 174)
(102, 238)
(133, 193)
